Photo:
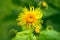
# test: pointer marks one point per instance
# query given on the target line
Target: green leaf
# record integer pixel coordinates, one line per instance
(24, 36)
(49, 35)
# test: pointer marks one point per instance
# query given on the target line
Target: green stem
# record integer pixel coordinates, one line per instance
(37, 37)
(30, 31)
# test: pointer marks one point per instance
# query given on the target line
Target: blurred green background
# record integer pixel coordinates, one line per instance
(9, 10)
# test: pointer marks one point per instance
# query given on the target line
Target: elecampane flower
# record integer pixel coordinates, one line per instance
(30, 16)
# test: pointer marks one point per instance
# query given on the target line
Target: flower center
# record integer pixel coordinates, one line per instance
(30, 18)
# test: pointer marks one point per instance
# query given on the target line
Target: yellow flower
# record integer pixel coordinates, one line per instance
(30, 16)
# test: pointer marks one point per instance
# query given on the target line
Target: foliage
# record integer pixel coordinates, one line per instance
(9, 11)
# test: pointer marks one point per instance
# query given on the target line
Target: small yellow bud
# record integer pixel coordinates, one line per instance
(44, 4)
(37, 30)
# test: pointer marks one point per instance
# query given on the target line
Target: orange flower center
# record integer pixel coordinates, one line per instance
(30, 18)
